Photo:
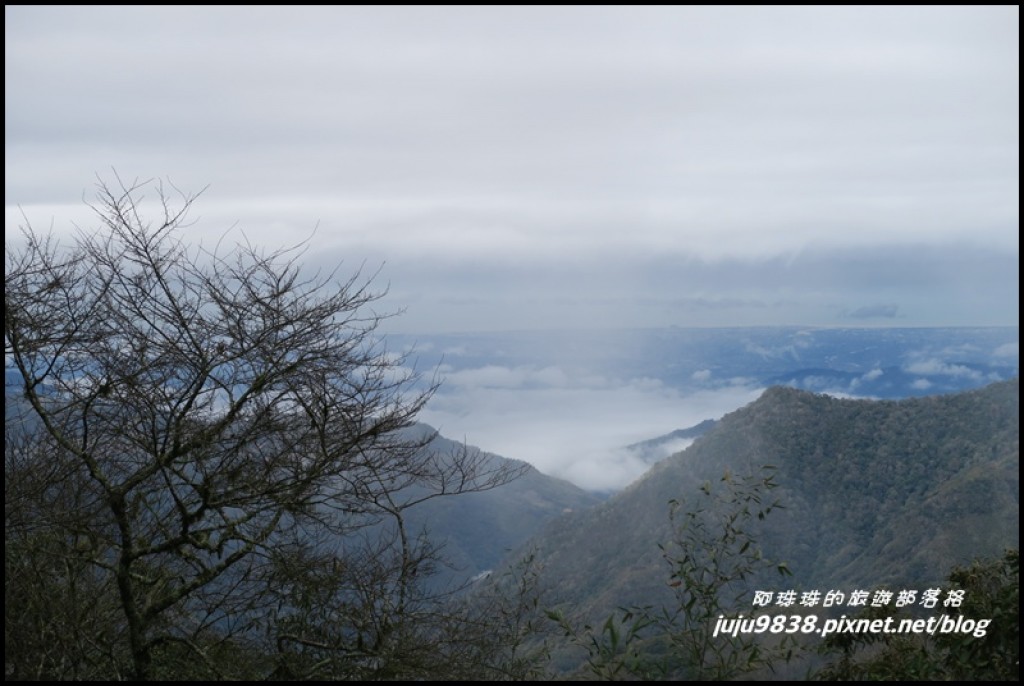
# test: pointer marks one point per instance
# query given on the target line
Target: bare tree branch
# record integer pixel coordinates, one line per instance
(213, 405)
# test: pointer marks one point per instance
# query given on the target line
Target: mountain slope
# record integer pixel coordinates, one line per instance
(477, 530)
(877, 493)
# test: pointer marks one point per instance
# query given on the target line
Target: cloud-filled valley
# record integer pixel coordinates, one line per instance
(576, 428)
(570, 402)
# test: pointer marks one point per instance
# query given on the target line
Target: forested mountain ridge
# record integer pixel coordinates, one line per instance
(875, 494)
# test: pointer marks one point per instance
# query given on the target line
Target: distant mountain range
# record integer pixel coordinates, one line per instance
(884, 362)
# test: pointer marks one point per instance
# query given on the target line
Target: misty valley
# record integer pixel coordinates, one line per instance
(876, 461)
(572, 402)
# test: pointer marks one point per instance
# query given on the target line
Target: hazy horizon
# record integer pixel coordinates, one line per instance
(513, 168)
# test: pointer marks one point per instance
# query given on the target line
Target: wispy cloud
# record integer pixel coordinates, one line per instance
(1008, 350)
(937, 367)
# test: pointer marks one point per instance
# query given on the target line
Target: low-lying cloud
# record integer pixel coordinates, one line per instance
(570, 425)
(935, 366)
(1008, 350)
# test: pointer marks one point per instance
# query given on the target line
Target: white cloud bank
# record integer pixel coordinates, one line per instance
(570, 426)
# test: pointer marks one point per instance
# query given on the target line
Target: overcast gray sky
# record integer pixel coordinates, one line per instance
(537, 167)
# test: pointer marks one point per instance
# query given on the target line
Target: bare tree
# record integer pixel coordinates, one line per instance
(212, 406)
